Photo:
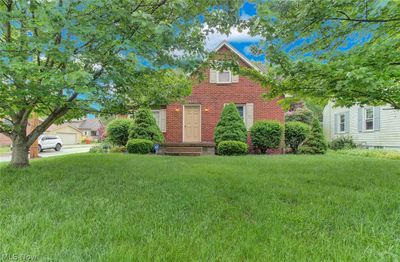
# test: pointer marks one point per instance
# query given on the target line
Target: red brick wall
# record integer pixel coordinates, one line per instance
(4, 140)
(213, 97)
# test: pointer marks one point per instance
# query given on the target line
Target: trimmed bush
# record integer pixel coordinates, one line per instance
(341, 143)
(102, 148)
(266, 135)
(232, 148)
(315, 143)
(295, 133)
(230, 126)
(145, 127)
(118, 149)
(139, 146)
(118, 131)
(304, 115)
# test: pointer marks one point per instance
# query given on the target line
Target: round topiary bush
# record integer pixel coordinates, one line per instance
(139, 146)
(266, 135)
(230, 126)
(145, 127)
(315, 143)
(341, 143)
(295, 133)
(118, 131)
(232, 148)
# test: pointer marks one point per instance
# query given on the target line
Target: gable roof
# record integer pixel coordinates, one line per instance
(54, 127)
(241, 56)
(88, 124)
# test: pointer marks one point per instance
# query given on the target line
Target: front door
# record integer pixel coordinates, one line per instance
(191, 123)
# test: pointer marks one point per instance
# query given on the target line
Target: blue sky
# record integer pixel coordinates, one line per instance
(240, 40)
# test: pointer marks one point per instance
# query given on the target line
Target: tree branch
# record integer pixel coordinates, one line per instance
(59, 112)
(364, 20)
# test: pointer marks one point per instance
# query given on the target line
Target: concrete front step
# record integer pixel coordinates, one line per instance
(187, 149)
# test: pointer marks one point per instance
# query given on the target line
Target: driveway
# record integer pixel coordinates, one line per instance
(66, 150)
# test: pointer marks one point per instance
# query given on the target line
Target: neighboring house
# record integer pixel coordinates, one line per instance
(195, 120)
(68, 134)
(90, 128)
(4, 140)
(376, 127)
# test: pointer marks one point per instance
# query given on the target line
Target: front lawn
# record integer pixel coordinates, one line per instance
(143, 208)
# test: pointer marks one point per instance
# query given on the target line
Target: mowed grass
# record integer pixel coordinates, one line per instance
(150, 208)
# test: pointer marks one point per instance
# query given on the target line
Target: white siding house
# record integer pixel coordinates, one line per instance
(375, 127)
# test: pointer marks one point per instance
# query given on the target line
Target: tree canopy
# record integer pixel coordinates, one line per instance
(57, 58)
(345, 50)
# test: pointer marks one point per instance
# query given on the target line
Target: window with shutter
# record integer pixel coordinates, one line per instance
(157, 117)
(224, 77)
(369, 119)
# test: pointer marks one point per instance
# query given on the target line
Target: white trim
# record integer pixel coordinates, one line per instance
(365, 120)
(230, 77)
(183, 120)
(247, 61)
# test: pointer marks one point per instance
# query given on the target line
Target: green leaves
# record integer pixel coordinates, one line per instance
(340, 50)
(119, 54)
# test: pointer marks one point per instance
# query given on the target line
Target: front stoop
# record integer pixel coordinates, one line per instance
(187, 149)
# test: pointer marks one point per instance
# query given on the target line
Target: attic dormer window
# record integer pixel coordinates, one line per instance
(224, 77)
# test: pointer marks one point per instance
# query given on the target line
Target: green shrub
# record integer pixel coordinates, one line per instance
(118, 149)
(266, 135)
(139, 146)
(230, 126)
(118, 131)
(232, 148)
(304, 115)
(315, 143)
(145, 127)
(295, 133)
(341, 143)
(102, 148)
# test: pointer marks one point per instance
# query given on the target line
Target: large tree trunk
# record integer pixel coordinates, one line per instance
(20, 152)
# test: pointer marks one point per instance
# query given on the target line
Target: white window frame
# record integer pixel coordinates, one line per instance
(371, 119)
(340, 123)
(222, 82)
(159, 117)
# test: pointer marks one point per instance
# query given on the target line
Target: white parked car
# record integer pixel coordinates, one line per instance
(49, 142)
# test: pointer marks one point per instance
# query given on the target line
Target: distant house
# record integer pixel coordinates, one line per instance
(90, 128)
(68, 134)
(374, 127)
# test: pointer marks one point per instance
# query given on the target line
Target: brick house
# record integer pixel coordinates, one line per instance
(195, 120)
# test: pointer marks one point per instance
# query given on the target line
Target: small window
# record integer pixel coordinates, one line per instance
(93, 133)
(157, 117)
(242, 111)
(342, 123)
(224, 77)
(369, 119)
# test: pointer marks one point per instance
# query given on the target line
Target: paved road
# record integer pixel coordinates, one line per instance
(51, 153)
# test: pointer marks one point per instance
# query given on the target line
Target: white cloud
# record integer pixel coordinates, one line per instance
(214, 39)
